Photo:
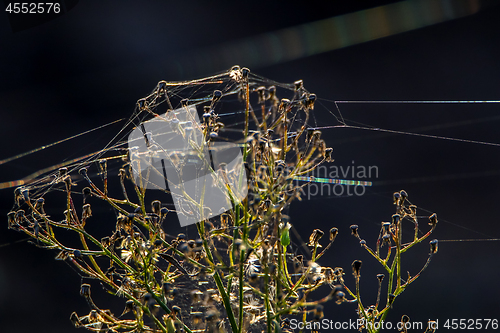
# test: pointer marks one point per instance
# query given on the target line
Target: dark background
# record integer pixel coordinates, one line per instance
(89, 66)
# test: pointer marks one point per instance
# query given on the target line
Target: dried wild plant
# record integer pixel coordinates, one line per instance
(239, 272)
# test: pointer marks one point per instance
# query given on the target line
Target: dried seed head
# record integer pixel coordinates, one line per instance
(434, 246)
(245, 71)
(340, 297)
(93, 316)
(396, 196)
(299, 84)
(141, 104)
(285, 105)
(354, 230)
(403, 195)
(26, 194)
(83, 172)
(310, 101)
(395, 219)
(85, 290)
(329, 154)
(75, 320)
(405, 319)
(333, 233)
(63, 172)
(380, 277)
(434, 220)
(156, 206)
(86, 192)
(164, 211)
(216, 96)
(129, 305)
(362, 242)
(11, 217)
(413, 209)
(261, 91)
(356, 267)
(77, 254)
(385, 226)
(315, 237)
(87, 211)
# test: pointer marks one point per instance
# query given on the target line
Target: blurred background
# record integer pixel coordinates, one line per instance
(64, 74)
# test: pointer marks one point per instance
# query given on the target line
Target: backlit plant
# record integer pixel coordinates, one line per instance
(240, 273)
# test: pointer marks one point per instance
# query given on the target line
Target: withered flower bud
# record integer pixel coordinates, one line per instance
(105, 241)
(396, 196)
(245, 71)
(26, 194)
(391, 298)
(356, 267)
(261, 91)
(315, 237)
(333, 233)
(217, 95)
(156, 206)
(129, 305)
(141, 103)
(63, 171)
(75, 320)
(354, 230)
(328, 154)
(311, 100)
(83, 172)
(11, 217)
(85, 290)
(87, 211)
(299, 84)
(284, 105)
(434, 220)
(362, 242)
(434, 246)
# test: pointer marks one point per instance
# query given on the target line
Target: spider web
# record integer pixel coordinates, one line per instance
(230, 110)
